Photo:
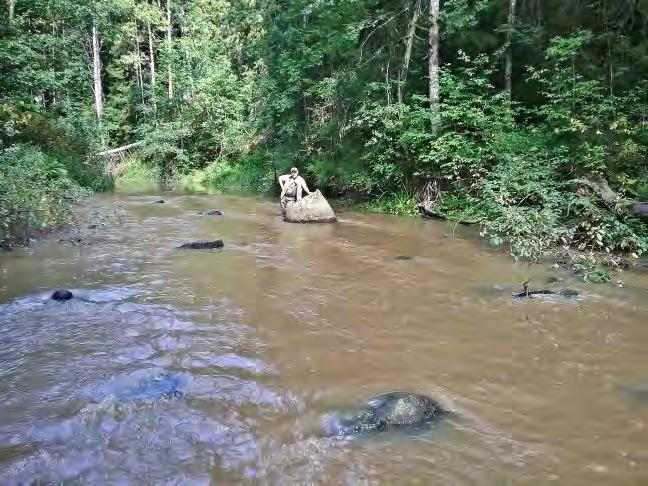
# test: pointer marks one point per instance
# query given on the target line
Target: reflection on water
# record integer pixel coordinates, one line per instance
(223, 365)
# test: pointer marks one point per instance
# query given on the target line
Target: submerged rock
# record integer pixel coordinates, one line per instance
(637, 394)
(313, 208)
(394, 410)
(141, 385)
(202, 245)
(161, 386)
(62, 294)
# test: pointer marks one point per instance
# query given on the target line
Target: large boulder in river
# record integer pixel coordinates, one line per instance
(394, 410)
(313, 208)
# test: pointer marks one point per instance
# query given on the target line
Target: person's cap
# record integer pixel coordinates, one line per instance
(294, 169)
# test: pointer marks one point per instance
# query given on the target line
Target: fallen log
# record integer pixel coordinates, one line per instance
(426, 212)
(120, 149)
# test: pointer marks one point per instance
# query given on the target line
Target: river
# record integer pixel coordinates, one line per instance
(197, 367)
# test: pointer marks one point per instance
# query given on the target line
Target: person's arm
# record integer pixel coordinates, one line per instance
(282, 182)
(304, 186)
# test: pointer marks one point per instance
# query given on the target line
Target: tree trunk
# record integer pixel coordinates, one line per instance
(152, 65)
(433, 57)
(408, 52)
(140, 77)
(508, 67)
(120, 149)
(169, 48)
(610, 67)
(96, 72)
(12, 8)
(185, 33)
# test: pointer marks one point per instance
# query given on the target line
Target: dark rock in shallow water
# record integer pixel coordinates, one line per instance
(62, 294)
(558, 293)
(202, 245)
(528, 293)
(637, 394)
(394, 410)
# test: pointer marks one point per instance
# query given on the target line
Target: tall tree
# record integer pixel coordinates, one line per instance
(151, 49)
(508, 67)
(96, 72)
(138, 62)
(409, 42)
(433, 56)
(12, 8)
(169, 47)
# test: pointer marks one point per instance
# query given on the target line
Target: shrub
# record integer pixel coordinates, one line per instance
(36, 194)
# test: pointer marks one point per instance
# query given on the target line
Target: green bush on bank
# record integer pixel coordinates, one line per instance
(36, 193)
(400, 203)
(136, 173)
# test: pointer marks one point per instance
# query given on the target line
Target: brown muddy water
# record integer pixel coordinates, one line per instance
(220, 366)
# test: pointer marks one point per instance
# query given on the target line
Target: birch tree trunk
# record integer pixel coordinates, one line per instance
(408, 51)
(96, 72)
(140, 77)
(508, 66)
(152, 64)
(12, 8)
(433, 57)
(169, 49)
(183, 42)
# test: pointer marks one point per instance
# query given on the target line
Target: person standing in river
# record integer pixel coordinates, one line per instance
(292, 188)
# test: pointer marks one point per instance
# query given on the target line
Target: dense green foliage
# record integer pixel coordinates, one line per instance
(47, 132)
(540, 131)
(35, 192)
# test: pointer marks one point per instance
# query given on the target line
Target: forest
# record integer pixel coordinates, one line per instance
(526, 117)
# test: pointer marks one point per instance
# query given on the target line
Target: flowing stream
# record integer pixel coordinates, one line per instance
(207, 367)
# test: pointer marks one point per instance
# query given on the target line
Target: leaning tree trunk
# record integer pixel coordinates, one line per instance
(408, 51)
(152, 65)
(433, 58)
(169, 48)
(96, 72)
(508, 66)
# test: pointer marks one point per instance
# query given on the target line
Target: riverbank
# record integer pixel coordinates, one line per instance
(40, 186)
(589, 243)
(593, 265)
(591, 252)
